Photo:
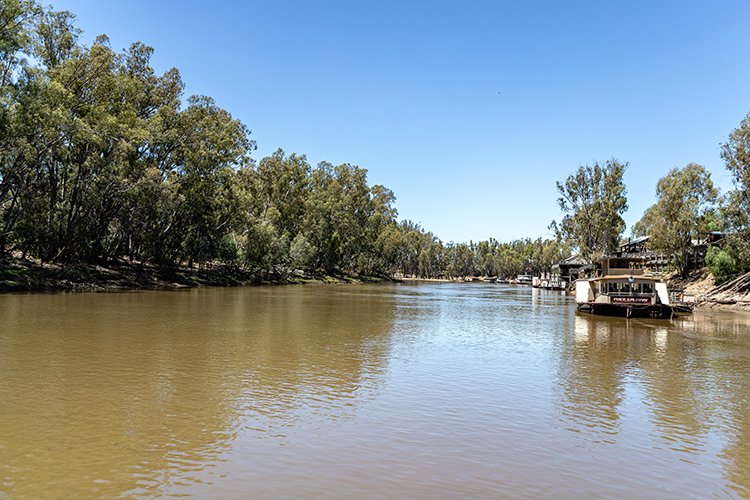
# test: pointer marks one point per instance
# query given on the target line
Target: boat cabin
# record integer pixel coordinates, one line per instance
(622, 280)
(622, 290)
(625, 288)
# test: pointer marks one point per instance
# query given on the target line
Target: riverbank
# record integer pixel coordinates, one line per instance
(699, 284)
(426, 280)
(20, 275)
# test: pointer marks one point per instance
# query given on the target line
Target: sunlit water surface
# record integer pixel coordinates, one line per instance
(429, 390)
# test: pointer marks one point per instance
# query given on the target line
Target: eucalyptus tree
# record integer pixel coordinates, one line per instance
(392, 249)
(275, 193)
(546, 253)
(279, 189)
(485, 257)
(509, 262)
(351, 199)
(460, 259)
(102, 158)
(411, 245)
(736, 155)
(408, 247)
(17, 19)
(62, 109)
(344, 218)
(320, 227)
(593, 199)
(212, 147)
(74, 131)
(103, 161)
(683, 198)
(301, 253)
(381, 215)
(148, 228)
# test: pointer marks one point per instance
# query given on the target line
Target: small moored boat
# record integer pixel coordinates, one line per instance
(524, 279)
(625, 290)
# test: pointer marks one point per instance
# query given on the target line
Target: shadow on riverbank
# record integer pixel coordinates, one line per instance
(20, 275)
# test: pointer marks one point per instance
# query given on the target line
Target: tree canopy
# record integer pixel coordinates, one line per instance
(102, 159)
(593, 199)
(736, 155)
(684, 203)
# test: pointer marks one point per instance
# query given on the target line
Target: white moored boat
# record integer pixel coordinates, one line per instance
(624, 289)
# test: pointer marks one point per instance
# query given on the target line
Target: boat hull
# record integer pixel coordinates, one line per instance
(655, 311)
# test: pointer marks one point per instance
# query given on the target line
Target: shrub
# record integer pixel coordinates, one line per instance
(721, 264)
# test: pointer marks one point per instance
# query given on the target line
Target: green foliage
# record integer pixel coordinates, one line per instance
(16, 20)
(736, 209)
(721, 264)
(685, 199)
(736, 154)
(265, 250)
(593, 199)
(101, 158)
(417, 252)
(301, 253)
(738, 246)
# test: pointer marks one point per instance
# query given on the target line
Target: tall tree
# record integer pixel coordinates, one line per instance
(593, 199)
(214, 146)
(17, 18)
(736, 154)
(683, 198)
(276, 192)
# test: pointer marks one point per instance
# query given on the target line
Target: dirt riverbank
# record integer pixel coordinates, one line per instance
(20, 275)
(700, 285)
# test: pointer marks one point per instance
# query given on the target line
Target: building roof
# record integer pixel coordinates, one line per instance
(636, 241)
(573, 260)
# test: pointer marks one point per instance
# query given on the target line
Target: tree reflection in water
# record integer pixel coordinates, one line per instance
(144, 393)
(690, 378)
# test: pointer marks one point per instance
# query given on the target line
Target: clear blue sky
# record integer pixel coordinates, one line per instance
(409, 90)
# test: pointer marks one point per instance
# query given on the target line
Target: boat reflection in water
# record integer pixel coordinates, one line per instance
(684, 380)
(416, 390)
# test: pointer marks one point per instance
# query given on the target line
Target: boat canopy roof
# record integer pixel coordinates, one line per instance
(625, 277)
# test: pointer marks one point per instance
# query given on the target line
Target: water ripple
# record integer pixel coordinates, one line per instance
(428, 390)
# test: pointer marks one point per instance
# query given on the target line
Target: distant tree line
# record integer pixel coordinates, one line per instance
(417, 252)
(101, 159)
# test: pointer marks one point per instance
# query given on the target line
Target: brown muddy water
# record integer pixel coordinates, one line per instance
(413, 390)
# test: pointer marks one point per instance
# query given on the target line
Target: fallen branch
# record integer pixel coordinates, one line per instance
(730, 292)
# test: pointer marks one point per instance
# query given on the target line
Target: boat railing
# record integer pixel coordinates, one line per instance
(624, 272)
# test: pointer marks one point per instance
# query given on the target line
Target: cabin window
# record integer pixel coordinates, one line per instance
(630, 288)
(619, 288)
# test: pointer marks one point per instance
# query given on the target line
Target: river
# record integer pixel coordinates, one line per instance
(407, 390)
